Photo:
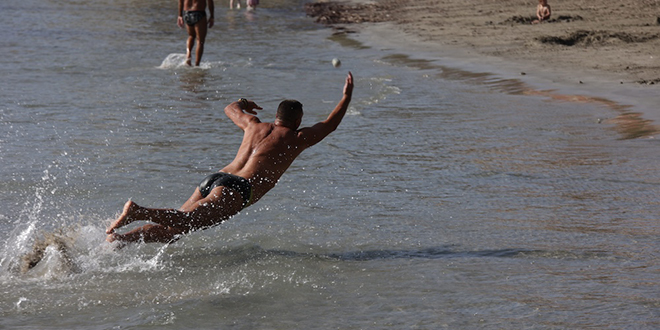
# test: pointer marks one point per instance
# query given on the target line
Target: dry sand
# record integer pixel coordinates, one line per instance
(590, 51)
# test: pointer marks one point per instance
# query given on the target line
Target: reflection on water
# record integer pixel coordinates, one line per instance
(629, 125)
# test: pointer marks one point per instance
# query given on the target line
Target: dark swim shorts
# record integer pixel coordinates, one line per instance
(192, 17)
(235, 182)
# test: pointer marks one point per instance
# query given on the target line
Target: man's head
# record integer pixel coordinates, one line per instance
(290, 113)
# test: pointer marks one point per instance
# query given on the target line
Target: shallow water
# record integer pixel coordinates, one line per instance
(446, 199)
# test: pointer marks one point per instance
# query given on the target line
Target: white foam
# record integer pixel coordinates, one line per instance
(176, 61)
(173, 61)
(53, 265)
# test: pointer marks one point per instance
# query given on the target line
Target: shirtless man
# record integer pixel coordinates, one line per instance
(542, 12)
(267, 151)
(193, 14)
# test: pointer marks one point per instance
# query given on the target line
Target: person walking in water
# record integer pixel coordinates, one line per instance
(266, 152)
(193, 14)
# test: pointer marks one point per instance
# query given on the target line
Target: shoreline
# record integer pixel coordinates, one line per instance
(490, 38)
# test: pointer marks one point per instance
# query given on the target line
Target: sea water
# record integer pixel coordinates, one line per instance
(446, 198)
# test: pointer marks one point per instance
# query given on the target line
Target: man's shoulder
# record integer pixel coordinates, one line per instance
(255, 126)
(255, 122)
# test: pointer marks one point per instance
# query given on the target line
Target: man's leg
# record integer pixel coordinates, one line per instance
(149, 234)
(133, 212)
(200, 31)
(196, 213)
(190, 43)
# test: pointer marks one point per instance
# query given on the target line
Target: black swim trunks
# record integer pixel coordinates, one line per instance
(235, 182)
(192, 17)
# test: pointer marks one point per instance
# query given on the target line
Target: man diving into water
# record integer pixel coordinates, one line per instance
(267, 151)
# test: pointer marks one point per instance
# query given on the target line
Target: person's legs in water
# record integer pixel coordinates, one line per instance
(150, 233)
(190, 43)
(197, 213)
(200, 31)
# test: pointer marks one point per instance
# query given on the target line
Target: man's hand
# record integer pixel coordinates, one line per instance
(179, 21)
(348, 87)
(251, 107)
(211, 22)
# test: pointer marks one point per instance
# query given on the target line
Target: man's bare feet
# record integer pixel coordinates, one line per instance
(125, 217)
(189, 57)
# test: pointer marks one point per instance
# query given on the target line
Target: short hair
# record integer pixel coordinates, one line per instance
(289, 111)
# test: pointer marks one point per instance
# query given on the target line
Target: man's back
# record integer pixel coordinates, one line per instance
(265, 154)
(268, 149)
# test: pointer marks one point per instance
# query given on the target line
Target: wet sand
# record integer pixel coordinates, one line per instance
(600, 50)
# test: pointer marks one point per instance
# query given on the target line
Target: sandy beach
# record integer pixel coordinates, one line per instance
(587, 51)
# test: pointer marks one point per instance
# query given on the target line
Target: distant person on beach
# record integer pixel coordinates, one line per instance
(193, 14)
(543, 12)
(266, 152)
(251, 4)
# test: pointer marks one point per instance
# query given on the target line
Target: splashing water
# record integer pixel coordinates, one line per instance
(173, 61)
(177, 61)
(47, 245)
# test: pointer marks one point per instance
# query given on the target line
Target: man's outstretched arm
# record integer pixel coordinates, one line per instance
(319, 131)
